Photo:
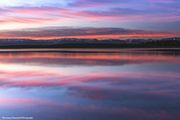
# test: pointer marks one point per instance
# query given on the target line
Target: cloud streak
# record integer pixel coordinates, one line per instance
(100, 33)
(19, 14)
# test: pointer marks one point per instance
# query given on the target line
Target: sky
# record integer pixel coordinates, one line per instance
(25, 18)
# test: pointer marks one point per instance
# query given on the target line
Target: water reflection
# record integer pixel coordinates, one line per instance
(123, 85)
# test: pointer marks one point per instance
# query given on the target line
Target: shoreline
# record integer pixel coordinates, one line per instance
(88, 50)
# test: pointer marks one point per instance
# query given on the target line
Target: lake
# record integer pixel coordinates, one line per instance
(89, 85)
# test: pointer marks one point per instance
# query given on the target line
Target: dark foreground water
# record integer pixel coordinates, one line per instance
(90, 86)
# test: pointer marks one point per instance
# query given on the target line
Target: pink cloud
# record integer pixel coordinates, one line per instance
(49, 14)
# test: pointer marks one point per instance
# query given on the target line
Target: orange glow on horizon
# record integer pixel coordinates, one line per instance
(108, 36)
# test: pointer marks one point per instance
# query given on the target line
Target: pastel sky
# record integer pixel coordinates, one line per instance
(150, 15)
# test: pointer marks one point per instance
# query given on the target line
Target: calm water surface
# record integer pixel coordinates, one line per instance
(90, 86)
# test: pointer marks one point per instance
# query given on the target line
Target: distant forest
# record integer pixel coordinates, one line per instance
(90, 43)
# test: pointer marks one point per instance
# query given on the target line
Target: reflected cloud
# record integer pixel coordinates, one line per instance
(7, 101)
(92, 87)
(86, 59)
